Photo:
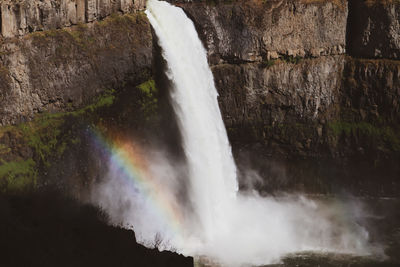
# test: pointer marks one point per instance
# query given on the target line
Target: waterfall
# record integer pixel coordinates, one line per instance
(212, 171)
(217, 221)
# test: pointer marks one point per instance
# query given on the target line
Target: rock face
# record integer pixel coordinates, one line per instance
(246, 31)
(49, 229)
(374, 29)
(288, 91)
(261, 104)
(269, 75)
(60, 70)
(258, 95)
(24, 16)
(298, 79)
(372, 88)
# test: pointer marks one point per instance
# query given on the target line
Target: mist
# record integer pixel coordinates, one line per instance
(194, 206)
(251, 230)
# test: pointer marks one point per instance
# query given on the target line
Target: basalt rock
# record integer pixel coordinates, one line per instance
(313, 106)
(24, 16)
(292, 98)
(49, 229)
(255, 98)
(247, 31)
(374, 29)
(334, 118)
(287, 87)
(61, 70)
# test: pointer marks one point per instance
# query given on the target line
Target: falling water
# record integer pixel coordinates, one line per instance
(212, 171)
(230, 227)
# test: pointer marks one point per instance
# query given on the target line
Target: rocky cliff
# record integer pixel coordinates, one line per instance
(308, 79)
(248, 31)
(59, 70)
(298, 79)
(19, 17)
(48, 229)
(56, 83)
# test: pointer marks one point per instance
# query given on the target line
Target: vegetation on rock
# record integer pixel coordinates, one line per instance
(46, 137)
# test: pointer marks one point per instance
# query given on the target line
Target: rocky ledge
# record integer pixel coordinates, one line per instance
(248, 31)
(19, 17)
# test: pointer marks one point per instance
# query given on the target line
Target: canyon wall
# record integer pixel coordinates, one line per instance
(298, 79)
(301, 80)
(59, 70)
(19, 17)
(56, 85)
(248, 31)
(284, 62)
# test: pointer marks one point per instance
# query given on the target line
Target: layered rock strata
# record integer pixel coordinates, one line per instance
(297, 78)
(269, 74)
(60, 70)
(301, 80)
(24, 16)
(247, 31)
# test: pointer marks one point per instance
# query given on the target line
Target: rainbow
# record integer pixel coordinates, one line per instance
(130, 161)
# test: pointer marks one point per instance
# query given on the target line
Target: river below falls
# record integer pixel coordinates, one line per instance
(382, 221)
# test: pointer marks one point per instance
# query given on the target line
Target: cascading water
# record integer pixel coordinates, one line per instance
(221, 223)
(212, 171)
(233, 228)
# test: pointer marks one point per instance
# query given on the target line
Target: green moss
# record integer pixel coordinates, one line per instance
(386, 135)
(148, 88)
(286, 59)
(121, 21)
(42, 135)
(18, 175)
(4, 149)
(292, 59)
(149, 99)
(47, 137)
(14, 167)
(105, 100)
(267, 63)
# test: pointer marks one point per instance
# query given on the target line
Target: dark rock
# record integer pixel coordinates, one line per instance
(48, 229)
(374, 29)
